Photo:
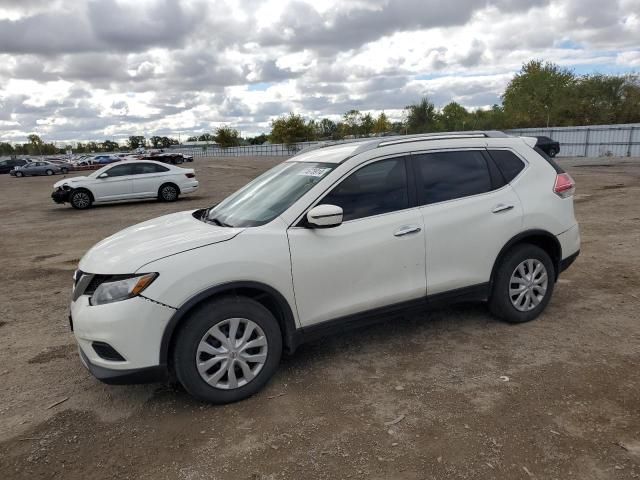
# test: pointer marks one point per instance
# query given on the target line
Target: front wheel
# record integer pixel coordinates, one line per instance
(227, 350)
(64, 171)
(19, 174)
(80, 199)
(523, 284)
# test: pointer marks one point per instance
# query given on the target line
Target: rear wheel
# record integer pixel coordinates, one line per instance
(19, 174)
(64, 170)
(49, 172)
(523, 284)
(168, 192)
(228, 350)
(552, 152)
(80, 199)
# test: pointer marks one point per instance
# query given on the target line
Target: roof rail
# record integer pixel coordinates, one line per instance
(442, 136)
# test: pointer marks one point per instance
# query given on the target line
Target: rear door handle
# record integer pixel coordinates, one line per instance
(501, 208)
(407, 230)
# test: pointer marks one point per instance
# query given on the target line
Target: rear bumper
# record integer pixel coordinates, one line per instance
(124, 377)
(566, 263)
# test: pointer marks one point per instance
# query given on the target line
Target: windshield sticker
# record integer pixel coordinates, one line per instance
(314, 172)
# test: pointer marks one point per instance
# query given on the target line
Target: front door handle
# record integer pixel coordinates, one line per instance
(407, 230)
(501, 208)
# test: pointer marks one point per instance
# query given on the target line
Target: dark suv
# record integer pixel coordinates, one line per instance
(7, 165)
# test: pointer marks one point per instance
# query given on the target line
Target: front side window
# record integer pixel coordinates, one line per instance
(269, 195)
(120, 170)
(446, 176)
(377, 188)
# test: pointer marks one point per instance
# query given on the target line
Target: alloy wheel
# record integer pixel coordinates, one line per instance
(81, 199)
(231, 353)
(169, 193)
(528, 285)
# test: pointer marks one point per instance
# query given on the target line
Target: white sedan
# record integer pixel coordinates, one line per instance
(127, 180)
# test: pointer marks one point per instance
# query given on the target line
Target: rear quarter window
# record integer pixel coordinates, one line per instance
(508, 163)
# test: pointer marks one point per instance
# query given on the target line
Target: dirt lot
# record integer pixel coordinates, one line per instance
(412, 398)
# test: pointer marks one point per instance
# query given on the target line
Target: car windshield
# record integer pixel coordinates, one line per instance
(266, 197)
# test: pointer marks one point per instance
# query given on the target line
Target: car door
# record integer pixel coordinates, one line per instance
(469, 214)
(116, 185)
(147, 179)
(375, 258)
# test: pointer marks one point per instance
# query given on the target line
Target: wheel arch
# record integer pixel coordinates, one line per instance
(267, 296)
(541, 238)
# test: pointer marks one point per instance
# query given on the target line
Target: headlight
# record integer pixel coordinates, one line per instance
(109, 292)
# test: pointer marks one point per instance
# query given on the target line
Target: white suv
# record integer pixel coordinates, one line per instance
(126, 180)
(331, 238)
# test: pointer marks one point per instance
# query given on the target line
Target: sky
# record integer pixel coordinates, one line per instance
(78, 70)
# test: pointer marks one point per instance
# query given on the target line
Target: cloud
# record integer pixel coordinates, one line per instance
(90, 69)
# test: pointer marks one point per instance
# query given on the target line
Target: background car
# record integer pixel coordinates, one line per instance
(126, 180)
(548, 146)
(172, 158)
(38, 168)
(105, 159)
(7, 165)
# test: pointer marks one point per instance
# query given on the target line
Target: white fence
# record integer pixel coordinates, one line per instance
(592, 141)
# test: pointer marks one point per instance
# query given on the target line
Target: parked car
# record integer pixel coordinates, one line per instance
(172, 158)
(126, 180)
(331, 238)
(38, 168)
(7, 165)
(548, 146)
(104, 159)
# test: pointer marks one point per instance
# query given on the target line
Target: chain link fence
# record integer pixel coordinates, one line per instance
(593, 141)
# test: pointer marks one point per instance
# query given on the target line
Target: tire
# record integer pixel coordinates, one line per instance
(49, 172)
(509, 299)
(80, 199)
(19, 174)
(552, 152)
(195, 344)
(64, 171)
(168, 192)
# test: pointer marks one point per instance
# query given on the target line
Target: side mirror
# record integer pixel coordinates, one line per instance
(103, 175)
(324, 216)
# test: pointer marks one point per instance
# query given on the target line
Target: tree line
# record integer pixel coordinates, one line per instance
(540, 94)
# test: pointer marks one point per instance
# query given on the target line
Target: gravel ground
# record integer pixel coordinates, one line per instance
(447, 394)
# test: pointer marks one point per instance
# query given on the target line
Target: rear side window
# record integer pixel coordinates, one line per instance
(508, 163)
(141, 168)
(449, 175)
(377, 188)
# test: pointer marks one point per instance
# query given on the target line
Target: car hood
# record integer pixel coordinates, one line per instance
(70, 181)
(132, 248)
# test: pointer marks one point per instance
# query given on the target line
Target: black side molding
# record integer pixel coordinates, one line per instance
(566, 263)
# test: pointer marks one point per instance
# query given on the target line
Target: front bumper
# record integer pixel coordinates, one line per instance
(133, 328)
(124, 377)
(60, 195)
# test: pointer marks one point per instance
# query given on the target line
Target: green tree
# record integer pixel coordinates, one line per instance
(454, 117)
(291, 129)
(6, 149)
(34, 147)
(227, 137)
(206, 137)
(351, 121)
(366, 124)
(258, 139)
(540, 94)
(136, 141)
(382, 124)
(109, 146)
(421, 117)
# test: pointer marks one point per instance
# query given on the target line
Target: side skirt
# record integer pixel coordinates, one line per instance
(474, 293)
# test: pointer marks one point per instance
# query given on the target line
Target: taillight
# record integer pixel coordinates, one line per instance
(565, 186)
(190, 175)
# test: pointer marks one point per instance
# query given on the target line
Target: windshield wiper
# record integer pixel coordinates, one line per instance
(215, 221)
